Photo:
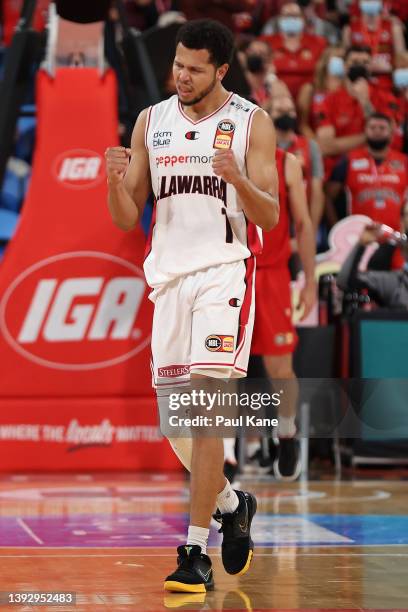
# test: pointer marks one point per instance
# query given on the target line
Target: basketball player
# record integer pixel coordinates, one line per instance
(209, 157)
(274, 334)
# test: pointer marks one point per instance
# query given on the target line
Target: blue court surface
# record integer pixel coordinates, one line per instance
(157, 530)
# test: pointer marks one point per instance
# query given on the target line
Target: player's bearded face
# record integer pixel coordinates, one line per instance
(193, 93)
(195, 76)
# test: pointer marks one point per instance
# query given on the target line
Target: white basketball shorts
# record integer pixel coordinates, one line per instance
(203, 324)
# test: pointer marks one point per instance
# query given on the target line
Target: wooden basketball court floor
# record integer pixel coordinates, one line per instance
(320, 545)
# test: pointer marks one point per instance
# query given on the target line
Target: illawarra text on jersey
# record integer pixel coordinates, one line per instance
(206, 185)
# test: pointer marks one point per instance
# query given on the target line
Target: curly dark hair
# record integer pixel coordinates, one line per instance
(211, 35)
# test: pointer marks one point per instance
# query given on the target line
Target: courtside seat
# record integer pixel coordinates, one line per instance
(14, 184)
(26, 127)
(8, 223)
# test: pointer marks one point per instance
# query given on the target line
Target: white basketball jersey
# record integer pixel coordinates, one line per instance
(198, 220)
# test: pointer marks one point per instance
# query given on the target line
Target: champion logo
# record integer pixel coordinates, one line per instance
(192, 135)
(76, 311)
(235, 302)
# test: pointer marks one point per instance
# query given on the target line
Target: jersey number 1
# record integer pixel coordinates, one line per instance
(228, 229)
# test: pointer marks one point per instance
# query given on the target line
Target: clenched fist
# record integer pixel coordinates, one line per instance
(117, 161)
(224, 165)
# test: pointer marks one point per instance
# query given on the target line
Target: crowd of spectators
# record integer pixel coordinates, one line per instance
(332, 74)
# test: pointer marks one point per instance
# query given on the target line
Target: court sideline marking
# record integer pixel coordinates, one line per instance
(30, 532)
(273, 554)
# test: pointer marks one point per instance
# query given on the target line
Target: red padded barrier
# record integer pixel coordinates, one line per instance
(99, 434)
(74, 315)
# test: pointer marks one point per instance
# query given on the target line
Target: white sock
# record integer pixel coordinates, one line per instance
(227, 500)
(286, 427)
(198, 536)
(229, 450)
(252, 447)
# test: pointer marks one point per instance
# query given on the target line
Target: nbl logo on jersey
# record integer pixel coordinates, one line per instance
(217, 343)
(224, 134)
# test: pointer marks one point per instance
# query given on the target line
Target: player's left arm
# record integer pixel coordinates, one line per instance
(258, 191)
(304, 231)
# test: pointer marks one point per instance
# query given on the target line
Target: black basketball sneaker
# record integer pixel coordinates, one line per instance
(287, 466)
(193, 574)
(237, 546)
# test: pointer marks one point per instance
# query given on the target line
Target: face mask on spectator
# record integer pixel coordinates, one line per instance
(291, 25)
(371, 7)
(285, 123)
(335, 67)
(378, 144)
(358, 71)
(255, 63)
(401, 78)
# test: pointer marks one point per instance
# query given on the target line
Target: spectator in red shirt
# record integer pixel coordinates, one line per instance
(271, 8)
(391, 7)
(375, 176)
(283, 114)
(329, 76)
(400, 79)
(345, 110)
(314, 24)
(256, 59)
(295, 53)
(382, 34)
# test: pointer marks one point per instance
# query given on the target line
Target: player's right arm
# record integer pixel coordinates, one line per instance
(129, 183)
